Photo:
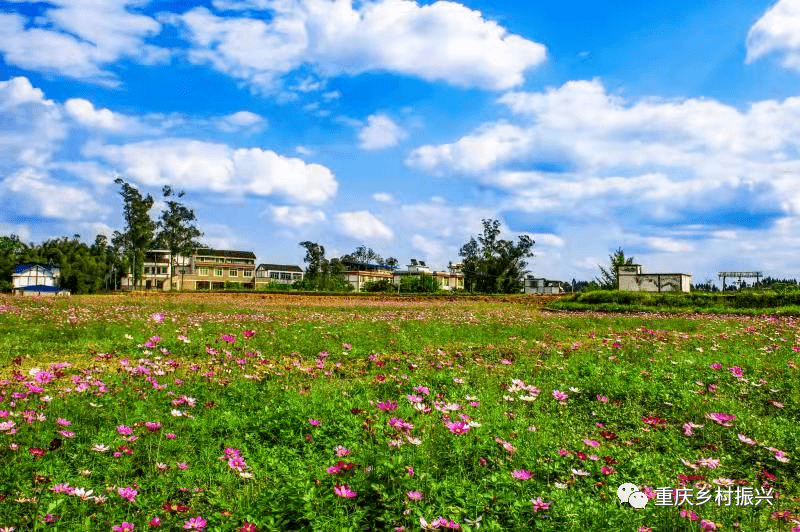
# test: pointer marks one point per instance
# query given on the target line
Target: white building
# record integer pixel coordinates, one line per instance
(35, 279)
(632, 279)
(452, 280)
(278, 273)
(533, 285)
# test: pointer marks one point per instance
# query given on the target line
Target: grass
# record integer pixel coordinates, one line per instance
(359, 366)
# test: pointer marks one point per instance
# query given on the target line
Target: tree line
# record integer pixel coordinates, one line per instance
(87, 269)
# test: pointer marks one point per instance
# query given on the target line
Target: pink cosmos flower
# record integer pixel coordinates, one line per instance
(127, 493)
(705, 524)
(716, 365)
(607, 470)
(414, 495)
(688, 428)
(152, 426)
(124, 430)
(689, 514)
(560, 396)
(314, 422)
(123, 527)
(229, 338)
(247, 527)
(195, 523)
(63, 422)
(602, 398)
(157, 317)
(649, 492)
(721, 418)
(591, 443)
(154, 522)
(457, 427)
(387, 406)
(644, 529)
(347, 347)
(344, 491)
(182, 465)
(539, 504)
(521, 474)
(736, 371)
(170, 435)
(342, 451)
(248, 333)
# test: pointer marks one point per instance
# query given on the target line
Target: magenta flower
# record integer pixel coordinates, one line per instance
(688, 428)
(195, 523)
(157, 317)
(314, 422)
(521, 474)
(457, 427)
(63, 422)
(123, 527)
(539, 504)
(591, 443)
(705, 524)
(560, 396)
(170, 435)
(344, 491)
(127, 493)
(347, 347)
(716, 365)
(387, 406)
(154, 522)
(736, 371)
(721, 418)
(152, 426)
(228, 338)
(124, 430)
(248, 333)
(342, 451)
(602, 398)
(607, 470)
(414, 495)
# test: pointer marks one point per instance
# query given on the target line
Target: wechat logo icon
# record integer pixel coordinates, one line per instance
(630, 493)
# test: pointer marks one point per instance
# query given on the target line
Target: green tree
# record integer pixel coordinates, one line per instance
(177, 231)
(494, 265)
(609, 278)
(11, 249)
(139, 228)
(315, 258)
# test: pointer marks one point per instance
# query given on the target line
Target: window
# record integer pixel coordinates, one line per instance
(296, 276)
(247, 273)
(234, 272)
(202, 271)
(274, 275)
(286, 276)
(218, 272)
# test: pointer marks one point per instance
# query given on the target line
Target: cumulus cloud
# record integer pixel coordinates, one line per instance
(363, 225)
(442, 41)
(383, 197)
(578, 149)
(194, 164)
(777, 31)
(88, 35)
(84, 113)
(380, 132)
(242, 121)
(296, 215)
(35, 193)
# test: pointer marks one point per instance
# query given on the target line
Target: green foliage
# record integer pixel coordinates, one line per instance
(382, 285)
(492, 265)
(139, 231)
(745, 299)
(419, 284)
(609, 278)
(177, 231)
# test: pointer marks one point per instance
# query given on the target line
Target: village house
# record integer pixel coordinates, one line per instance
(632, 279)
(540, 285)
(450, 280)
(359, 273)
(204, 269)
(277, 273)
(37, 280)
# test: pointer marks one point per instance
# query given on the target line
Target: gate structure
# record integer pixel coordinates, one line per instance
(739, 275)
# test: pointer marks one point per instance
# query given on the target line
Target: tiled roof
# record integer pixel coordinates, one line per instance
(279, 268)
(225, 253)
(19, 268)
(40, 288)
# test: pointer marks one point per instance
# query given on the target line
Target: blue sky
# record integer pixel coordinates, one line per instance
(669, 129)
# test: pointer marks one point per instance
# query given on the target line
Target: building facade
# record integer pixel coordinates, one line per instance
(360, 273)
(533, 285)
(204, 269)
(277, 273)
(450, 280)
(36, 279)
(632, 279)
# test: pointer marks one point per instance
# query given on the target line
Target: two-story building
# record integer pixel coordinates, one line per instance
(277, 273)
(450, 280)
(204, 269)
(359, 273)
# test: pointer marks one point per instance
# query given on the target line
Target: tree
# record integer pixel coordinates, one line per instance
(11, 248)
(177, 232)
(609, 278)
(315, 258)
(493, 265)
(139, 228)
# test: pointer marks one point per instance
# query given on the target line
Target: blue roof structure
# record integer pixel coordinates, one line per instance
(40, 288)
(19, 268)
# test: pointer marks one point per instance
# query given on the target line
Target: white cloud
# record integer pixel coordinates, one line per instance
(777, 31)
(304, 151)
(84, 113)
(383, 197)
(34, 193)
(548, 239)
(194, 164)
(443, 41)
(242, 121)
(79, 38)
(296, 215)
(433, 249)
(32, 126)
(363, 225)
(380, 132)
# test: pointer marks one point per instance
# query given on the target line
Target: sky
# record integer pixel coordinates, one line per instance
(668, 129)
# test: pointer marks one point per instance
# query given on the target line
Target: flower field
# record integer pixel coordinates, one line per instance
(278, 413)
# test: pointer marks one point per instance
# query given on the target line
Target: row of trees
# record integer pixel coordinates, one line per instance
(101, 265)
